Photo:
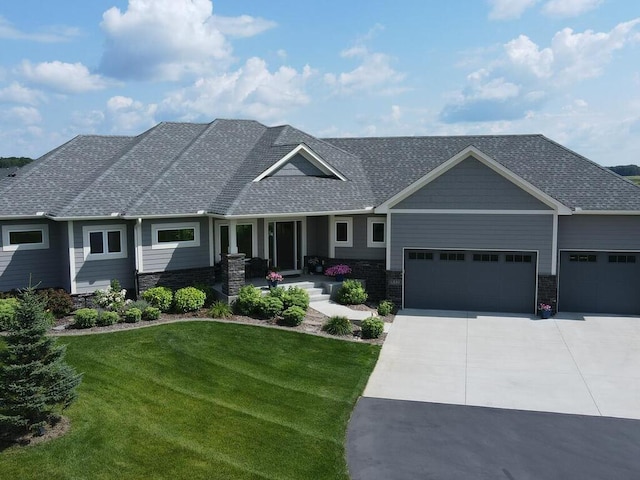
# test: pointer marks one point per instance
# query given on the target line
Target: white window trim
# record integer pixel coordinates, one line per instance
(370, 222)
(254, 236)
(349, 222)
(104, 229)
(7, 229)
(157, 227)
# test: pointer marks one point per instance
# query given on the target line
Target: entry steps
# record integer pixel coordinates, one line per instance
(318, 291)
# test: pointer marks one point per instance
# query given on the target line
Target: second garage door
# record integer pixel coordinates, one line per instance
(470, 280)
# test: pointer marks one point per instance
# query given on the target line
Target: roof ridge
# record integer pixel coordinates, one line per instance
(418, 137)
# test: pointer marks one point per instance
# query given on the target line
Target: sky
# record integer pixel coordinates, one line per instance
(569, 69)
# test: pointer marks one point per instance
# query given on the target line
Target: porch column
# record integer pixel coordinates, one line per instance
(232, 273)
(233, 236)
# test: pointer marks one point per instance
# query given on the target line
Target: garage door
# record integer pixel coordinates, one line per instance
(599, 282)
(470, 280)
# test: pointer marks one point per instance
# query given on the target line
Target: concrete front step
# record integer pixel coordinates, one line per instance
(316, 290)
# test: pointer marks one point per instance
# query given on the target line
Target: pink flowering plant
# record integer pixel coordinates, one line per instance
(544, 307)
(339, 269)
(274, 277)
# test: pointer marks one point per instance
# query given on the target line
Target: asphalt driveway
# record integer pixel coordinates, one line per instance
(578, 364)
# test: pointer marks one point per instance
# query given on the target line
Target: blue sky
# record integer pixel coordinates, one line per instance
(569, 69)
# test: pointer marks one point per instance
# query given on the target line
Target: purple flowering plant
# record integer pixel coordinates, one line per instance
(274, 277)
(340, 269)
(544, 307)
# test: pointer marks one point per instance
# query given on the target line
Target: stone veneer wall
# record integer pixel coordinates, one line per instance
(394, 287)
(232, 273)
(548, 291)
(371, 271)
(175, 279)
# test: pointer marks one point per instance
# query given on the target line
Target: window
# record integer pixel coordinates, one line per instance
(103, 242)
(25, 237)
(452, 257)
(622, 259)
(343, 232)
(244, 239)
(175, 235)
(582, 258)
(376, 232)
(485, 257)
(420, 256)
(518, 258)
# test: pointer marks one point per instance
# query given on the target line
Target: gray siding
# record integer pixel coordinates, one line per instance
(260, 252)
(599, 232)
(318, 236)
(360, 250)
(472, 185)
(43, 268)
(298, 166)
(500, 232)
(162, 259)
(92, 275)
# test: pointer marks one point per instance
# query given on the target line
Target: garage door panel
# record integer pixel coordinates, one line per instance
(480, 281)
(599, 282)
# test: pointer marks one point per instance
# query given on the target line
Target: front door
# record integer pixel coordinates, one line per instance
(285, 245)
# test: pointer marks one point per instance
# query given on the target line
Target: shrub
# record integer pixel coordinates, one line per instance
(372, 327)
(107, 317)
(338, 325)
(292, 316)
(220, 309)
(139, 304)
(296, 296)
(8, 308)
(385, 308)
(248, 301)
(352, 293)
(188, 299)
(150, 313)
(270, 307)
(57, 301)
(277, 292)
(113, 298)
(159, 297)
(208, 291)
(85, 318)
(133, 315)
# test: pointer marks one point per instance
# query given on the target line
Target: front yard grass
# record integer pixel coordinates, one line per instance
(203, 400)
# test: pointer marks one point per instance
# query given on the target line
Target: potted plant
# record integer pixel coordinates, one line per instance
(273, 278)
(545, 310)
(315, 265)
(338, 271)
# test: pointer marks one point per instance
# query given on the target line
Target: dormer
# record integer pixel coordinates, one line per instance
(301, 162)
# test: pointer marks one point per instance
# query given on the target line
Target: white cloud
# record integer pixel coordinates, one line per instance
(17, 93)
(509, 9)
(251, 91)
(569, 8)
(52, 34)
(525, 53)
(62, 77)
(242, 26)
(24, 115)
(129, 115)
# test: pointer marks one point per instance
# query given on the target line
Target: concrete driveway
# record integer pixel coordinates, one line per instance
(576, 364)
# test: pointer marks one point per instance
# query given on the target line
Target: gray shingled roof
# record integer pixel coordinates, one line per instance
(183, 168)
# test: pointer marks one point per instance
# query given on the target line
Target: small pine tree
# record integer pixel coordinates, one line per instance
(35, 382)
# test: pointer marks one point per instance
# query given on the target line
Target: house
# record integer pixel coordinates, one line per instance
(486, 223)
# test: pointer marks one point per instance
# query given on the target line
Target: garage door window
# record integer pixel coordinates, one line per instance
(485, 257)
(420, 256)
(452, 257)
(518, 258)
(622, 259)
(583, 258)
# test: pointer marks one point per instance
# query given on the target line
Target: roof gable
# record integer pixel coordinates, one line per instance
(301, 161)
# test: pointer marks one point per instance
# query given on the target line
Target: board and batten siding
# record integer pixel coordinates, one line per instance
(360, 251)
(471, 185)
(473, 231)
(164, 259)
(92, 275)
(42, 267)
(599, 232)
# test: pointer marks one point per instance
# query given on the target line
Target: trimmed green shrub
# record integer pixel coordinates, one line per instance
(292, 316)
(8, 308)
(352, 293)
(188, 299)
(159, 297)
(385, 308)
(150, 313)
(372, 327)
(208, 291)
(85, 318)
(270, 307)
(296, 296)
(107, 317)
(248, 301)
(338, 325)
(278, 292)
(139, 304)
(133, 315)
(220, 309)
(57, 301)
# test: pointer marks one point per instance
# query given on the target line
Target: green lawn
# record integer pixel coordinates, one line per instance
(204, 400)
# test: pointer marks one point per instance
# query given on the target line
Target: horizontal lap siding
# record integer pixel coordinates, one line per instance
(162, 259)
(599, 232)
(463, 231)
(92, 275)
(360, 250)
(43, 268)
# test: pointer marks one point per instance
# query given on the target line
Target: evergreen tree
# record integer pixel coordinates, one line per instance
(35, 382)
